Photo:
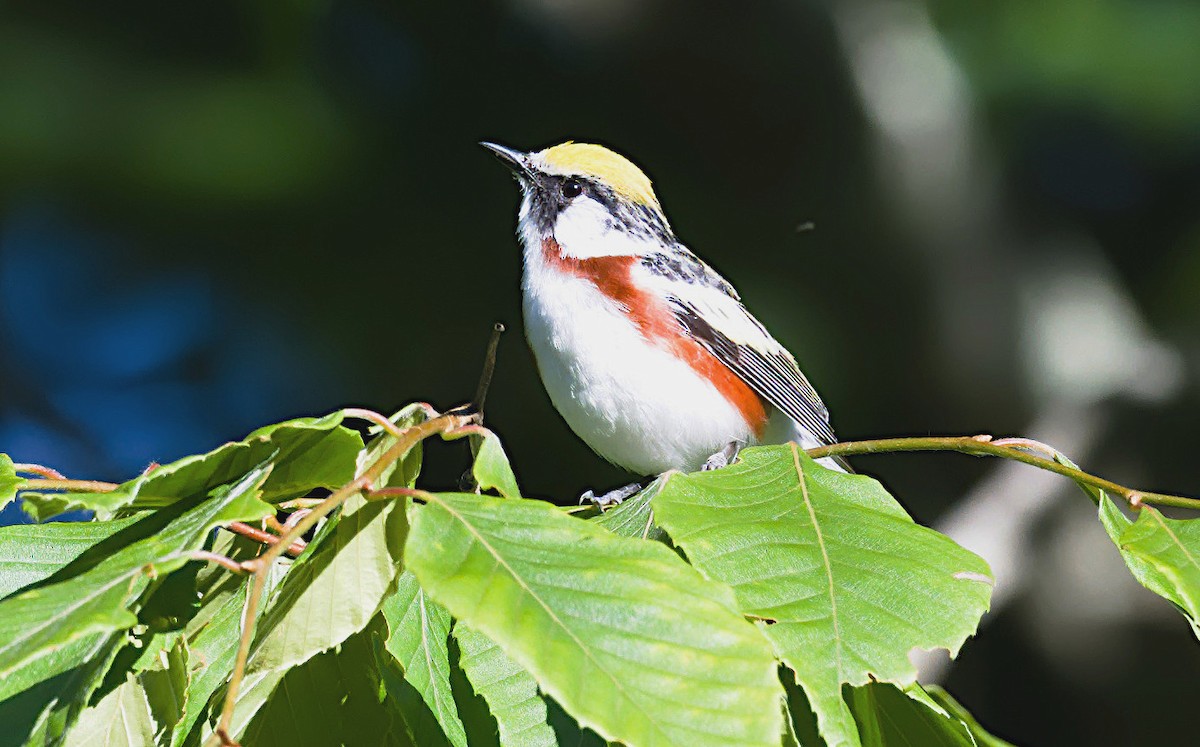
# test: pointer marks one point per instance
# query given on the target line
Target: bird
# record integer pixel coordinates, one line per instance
(644, 349)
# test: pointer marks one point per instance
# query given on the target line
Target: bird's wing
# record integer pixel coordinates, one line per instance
(709, 310)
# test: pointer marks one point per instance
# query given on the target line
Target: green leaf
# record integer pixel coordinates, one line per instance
(30, 553)
(215, 643)
(331, 699)
(888, 716)
(418, 628)
(166, 686)
(1163, 554)
(9, 482)
(412, 719)
(121, 719)
(38, 622)
(956, 709)
(334, 589)
(307, 453)
(632, 641)
(844, 583)
(511, 692)
(46, 706)
(490, 467)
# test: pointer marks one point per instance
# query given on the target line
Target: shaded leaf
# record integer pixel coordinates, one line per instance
(511, 692)
(120, 719)
(412, 718)
(166, 686)
(951, 706)
(1163, 554)
(331, 699)
(844, 582)
(631, 640)
(334, 589)
(38, 622)
(307, 453)
(46, 706)
(417, 631)
(888, 716)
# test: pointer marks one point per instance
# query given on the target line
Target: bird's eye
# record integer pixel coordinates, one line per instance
(571, 188)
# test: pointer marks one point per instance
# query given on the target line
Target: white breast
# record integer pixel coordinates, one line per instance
(634, 403)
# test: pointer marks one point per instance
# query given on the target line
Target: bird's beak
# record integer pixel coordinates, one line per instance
(514, 159)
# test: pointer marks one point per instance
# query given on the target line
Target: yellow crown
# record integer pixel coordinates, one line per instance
(603, 165)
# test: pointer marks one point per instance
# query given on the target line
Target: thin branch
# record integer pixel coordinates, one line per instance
(262, 564)
(489, 367)
(76, 486)
(227, 563)
(371, 416)
(258, 535)
(37, 469)
(1008, 449)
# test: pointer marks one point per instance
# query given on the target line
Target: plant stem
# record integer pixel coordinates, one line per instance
(1007, 449)
(84, 486)
(261, 565)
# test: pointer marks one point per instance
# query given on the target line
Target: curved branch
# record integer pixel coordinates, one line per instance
(1008, 448)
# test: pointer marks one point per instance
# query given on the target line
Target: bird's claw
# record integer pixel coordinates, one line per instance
(612, 497)
(722, 458)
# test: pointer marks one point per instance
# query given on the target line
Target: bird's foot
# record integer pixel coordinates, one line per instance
(612, 497)
(722, 458)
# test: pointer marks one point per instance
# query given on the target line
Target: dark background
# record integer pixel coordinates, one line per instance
(219, 214)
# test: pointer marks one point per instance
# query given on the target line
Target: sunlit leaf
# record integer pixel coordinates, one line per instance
(1163, 554)
(631, 640)
(417, 631)
(30, 553)
(38, 622)
(844, 583)
(9, 482)
(511, 692)
(490, 468)
(307, 453)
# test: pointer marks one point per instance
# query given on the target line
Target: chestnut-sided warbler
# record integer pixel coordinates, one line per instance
(646, 352)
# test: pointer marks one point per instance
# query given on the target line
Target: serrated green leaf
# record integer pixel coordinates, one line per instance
(951, 706)
(511, 692)
(30, 553)
(9, 482)
(307, 453)
(417, 631)
(631, 640)
(120, 719)
(1162, 554)
(844, 582)
(38, 622)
